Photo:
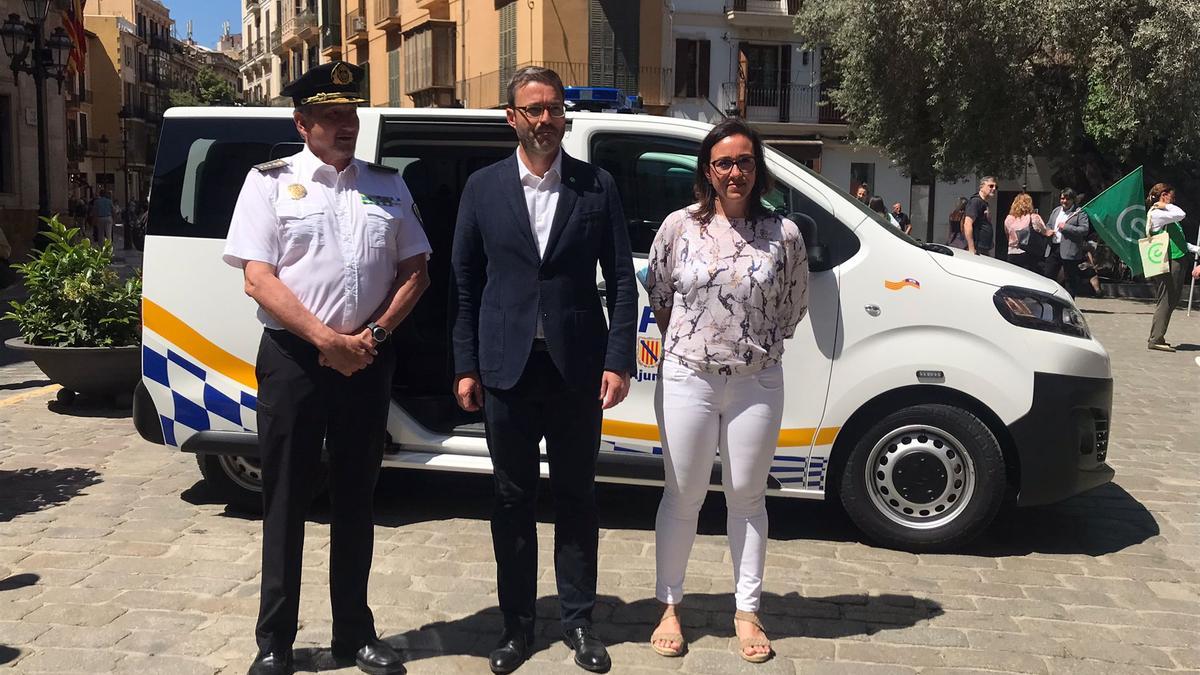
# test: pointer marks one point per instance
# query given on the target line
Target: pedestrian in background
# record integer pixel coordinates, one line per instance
(1069, 227)
(954, 237)
(876, 205)
(1022, 224)
(1162, 214)
(102, 217)
(721, 387)
(977, 221)
(863, 193)
(905, 223)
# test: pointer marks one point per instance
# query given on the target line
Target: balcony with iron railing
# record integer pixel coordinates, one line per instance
(791, 103)
(296, 28)
(356, 26)
(387, 13)
(253, 5)
(489, 90)
(274, 40)
(762, 13)
(75, 97)
(160, 42)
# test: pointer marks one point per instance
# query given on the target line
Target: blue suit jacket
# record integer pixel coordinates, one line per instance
(502, 284)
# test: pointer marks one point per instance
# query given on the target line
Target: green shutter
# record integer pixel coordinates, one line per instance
(394, 78)
(613, 45)
(508, 47)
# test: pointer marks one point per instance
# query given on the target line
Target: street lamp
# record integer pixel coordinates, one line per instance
(123, 114)
(103, 154)
(30, 51)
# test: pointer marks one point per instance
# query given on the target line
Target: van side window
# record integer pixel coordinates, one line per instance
(654, 176)
(840, 241)
(199, 172)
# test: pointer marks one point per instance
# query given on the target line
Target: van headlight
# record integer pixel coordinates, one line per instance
(1041, 311)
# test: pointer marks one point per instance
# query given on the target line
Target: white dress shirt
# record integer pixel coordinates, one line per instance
(334, 238)
(1063, 215)
(541, 201)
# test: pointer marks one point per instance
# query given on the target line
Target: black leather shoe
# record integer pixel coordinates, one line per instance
(271, 663)
(509, 654)
(375, 657)
(590, 653)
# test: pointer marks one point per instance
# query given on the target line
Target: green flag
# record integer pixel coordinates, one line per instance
(1119, 216)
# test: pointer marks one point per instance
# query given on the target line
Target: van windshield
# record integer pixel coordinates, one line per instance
(876, 218)
(201, 165)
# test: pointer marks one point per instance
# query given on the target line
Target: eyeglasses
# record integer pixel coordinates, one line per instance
(744, 164)
(535, 111)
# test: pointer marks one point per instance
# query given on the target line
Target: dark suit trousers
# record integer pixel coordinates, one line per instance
(301, 404)
(1070, 268)
(541, 405)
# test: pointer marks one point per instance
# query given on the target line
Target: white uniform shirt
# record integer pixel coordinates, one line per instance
(541, 200)
(335, 239)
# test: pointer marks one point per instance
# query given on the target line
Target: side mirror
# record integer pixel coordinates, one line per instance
(818, 253)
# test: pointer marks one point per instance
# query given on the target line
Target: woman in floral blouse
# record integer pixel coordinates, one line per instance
(728, 283)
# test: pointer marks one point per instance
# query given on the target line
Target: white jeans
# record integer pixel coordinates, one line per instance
(699, 413)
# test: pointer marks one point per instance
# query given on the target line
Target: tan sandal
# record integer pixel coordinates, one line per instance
(746, 643)
(668, 637)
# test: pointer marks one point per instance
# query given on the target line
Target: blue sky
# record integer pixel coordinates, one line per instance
(206, 17)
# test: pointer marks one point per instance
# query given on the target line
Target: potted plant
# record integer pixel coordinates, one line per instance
(81, 322)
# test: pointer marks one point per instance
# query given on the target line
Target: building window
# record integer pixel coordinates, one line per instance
(691, 68)
(508, 46)
(429, 64)
(83, 127)
(862, 173)
(613, 33)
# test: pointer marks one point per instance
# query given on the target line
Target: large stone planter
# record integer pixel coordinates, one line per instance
(92, 371)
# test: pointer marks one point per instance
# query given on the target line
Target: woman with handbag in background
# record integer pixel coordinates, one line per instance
(1022, 225)
(1162, 215)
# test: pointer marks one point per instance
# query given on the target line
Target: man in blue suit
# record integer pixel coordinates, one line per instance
(531, 347)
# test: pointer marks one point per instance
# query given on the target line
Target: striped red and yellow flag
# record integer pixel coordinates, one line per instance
(73, 23)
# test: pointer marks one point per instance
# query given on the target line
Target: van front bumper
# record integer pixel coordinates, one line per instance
(1062, 442)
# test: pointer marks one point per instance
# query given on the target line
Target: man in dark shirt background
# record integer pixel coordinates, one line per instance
(977, 223)
(902, 218)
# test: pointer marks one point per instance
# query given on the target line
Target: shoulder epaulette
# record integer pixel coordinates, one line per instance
(383, 167)
(273, 164)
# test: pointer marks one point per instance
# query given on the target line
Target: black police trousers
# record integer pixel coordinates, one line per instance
(300, 405)
(540, 406)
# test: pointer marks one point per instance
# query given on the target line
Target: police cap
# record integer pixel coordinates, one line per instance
(328, 83)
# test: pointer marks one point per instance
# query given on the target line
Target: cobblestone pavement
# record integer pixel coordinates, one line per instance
(115, 558)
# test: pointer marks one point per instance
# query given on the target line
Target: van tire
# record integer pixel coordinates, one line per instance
(237, 481)
(937, 479)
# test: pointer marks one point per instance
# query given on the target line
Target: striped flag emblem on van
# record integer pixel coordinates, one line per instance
(649, 351)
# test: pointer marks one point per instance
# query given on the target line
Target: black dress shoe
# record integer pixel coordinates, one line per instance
(375, 657)
(509, 654)
(590, 653)
(271, 663)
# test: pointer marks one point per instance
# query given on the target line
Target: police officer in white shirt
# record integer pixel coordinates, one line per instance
(334, 254)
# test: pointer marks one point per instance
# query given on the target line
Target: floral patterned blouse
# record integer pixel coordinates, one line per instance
(736, 290)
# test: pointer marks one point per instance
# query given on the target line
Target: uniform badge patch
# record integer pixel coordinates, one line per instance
(378, 200)
(341, 75)
(297, 191)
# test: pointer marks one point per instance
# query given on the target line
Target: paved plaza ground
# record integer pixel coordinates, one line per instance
(114, 557)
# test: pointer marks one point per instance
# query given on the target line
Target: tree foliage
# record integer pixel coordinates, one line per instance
(209, 89)
(971, 86)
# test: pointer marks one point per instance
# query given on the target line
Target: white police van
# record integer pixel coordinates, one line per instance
(925, 387)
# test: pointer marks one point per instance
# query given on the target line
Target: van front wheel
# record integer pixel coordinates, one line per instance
(927, 477)
(237, 481)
